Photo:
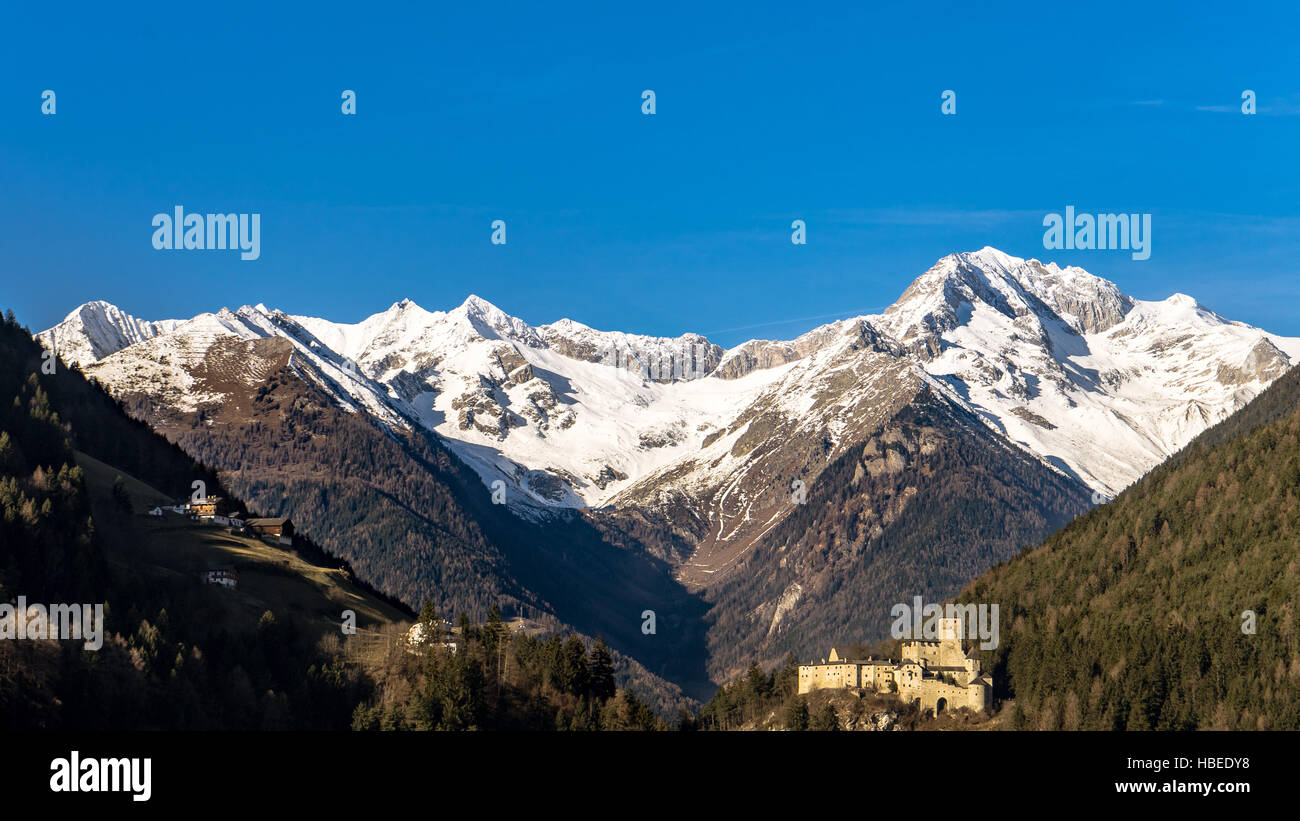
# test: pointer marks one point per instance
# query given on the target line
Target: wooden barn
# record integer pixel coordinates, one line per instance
(279, 528)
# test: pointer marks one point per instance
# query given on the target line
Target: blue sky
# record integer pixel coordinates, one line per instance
(662, 224)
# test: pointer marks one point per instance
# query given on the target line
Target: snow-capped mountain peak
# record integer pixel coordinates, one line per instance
(491, 322)
(96, 329)
(1071, 368)
(1012, 286)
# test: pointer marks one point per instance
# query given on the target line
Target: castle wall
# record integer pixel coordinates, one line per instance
(819, 676)
(955, 696)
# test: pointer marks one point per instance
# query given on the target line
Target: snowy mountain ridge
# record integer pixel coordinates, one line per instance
(1058, 361)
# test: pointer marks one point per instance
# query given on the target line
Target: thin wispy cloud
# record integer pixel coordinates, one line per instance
(1276, 107)
(1273, 107)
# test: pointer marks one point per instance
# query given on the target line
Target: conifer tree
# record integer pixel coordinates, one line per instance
(827, 720)
(429, 614)
(797, 716)
(601, 671)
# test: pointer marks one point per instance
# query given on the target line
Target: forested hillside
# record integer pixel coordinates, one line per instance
(1135, 615)
(497, 680)
(176, 654)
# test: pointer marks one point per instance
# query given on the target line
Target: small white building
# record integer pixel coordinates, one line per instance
(416, 637)
(225, 575)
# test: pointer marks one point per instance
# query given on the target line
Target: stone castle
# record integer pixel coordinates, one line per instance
(935, 672)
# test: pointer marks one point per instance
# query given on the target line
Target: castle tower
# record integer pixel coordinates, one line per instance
(950, 629)
(950, 636)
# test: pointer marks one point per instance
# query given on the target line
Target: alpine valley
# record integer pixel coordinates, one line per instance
(775, 497)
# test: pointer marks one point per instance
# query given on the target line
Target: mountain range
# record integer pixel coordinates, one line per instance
(763, 498)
